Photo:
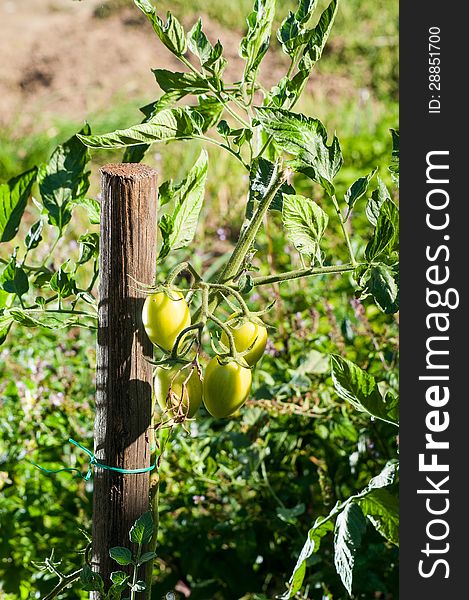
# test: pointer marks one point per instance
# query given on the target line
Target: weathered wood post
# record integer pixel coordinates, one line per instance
(123, 380)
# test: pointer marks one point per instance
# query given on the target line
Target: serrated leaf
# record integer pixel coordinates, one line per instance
(255, 43)
(305, 10)
(313, 541)
(34, 236)
(169, 124)
(378, 196)
(360, 389)
(142, 530)
(90, 581)
(381, 281)
(306, 139)
(13, 199)
(349, 529)
(209, 109)
(179, 228)
(381, 507)
(184, 83)
(170, 33)
(92, 207)
(119, 577)
(62, 282)
(289, 34)
(89, 247)
(122, 556)
(64, 179)
(39, 318)
(387, 477)
(358, 189)
(386, 234)
(318, 36)
(304, 222)
(14, 279)
(198, 43)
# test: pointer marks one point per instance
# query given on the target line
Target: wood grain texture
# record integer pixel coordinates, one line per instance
(124, 377)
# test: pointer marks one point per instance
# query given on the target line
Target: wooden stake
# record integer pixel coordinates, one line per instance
(124, 377)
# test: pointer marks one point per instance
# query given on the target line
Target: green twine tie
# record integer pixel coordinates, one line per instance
(93, 463)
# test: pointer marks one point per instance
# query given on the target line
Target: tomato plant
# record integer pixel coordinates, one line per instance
(296, 439)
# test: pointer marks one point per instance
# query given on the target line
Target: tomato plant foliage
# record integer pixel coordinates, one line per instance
(296, 493)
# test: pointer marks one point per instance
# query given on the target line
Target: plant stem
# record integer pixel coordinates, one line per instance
(298, 273)
(344, 230)
(246, 240)
(63, 583)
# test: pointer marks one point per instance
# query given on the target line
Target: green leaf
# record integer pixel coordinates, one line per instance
(92, 207)
(178, 229)
(360, 389)
(209, 109)
(170, 33)
(89, 247)
(199, 44)
(5, 324)
(306, 139)
(313, 541)
(378, 196)
(318, 36)
(39, 318)
(14, 279)
(167, 125)
(381, 281)
(146, 556)
(305, 10)
(91, 581)
(381, 507)
(34, 236)
(394, 168)
(305, 223)
(119, 577)
(386, 234)
(256, 41)
(289, 34)
(142, 529)
(62, 282)
(13, 199)
(349, 529)
(261, 177)
(184, 83)
(358, 189)
(64, 179)
(122, 556)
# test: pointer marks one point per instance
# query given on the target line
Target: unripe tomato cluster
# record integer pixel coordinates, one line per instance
(226, 384)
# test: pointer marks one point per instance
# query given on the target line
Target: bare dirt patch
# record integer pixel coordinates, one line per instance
(60, 61)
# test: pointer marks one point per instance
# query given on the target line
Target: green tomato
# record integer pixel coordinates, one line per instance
(169, 393)
(244, 335)
(164, 317)
(226, 387)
